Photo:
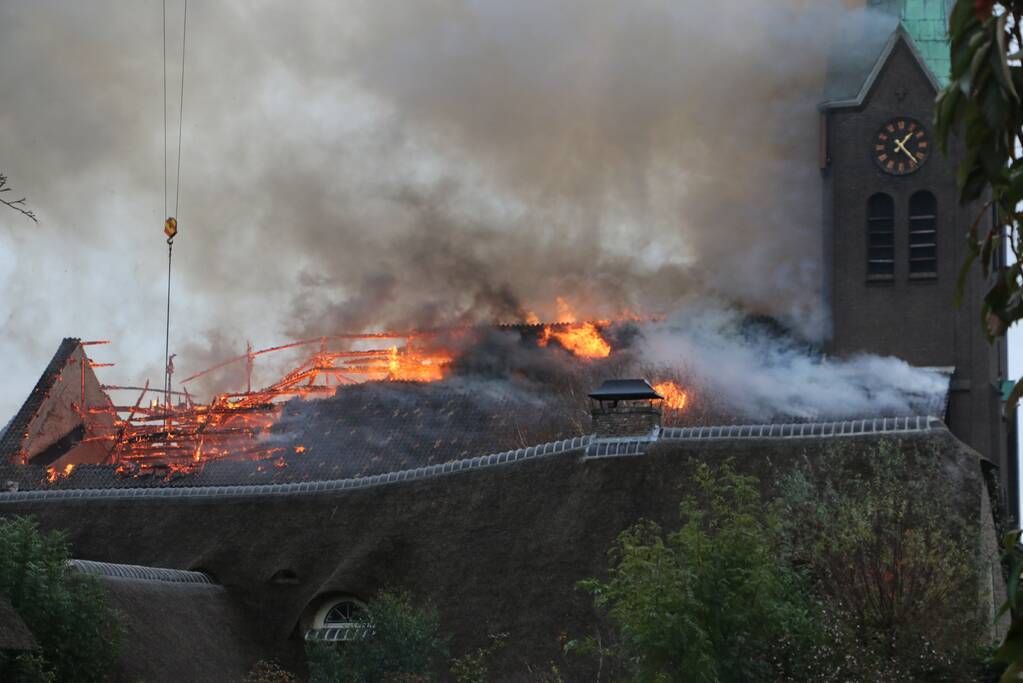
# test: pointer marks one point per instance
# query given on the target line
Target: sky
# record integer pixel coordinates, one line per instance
(354, 164)
(365, 165)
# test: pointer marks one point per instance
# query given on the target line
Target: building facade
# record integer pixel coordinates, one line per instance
(894, 230)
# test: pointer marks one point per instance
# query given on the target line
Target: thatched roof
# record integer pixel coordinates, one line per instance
(180, 631)
(14, 634)
(367, 429)
(498, 549)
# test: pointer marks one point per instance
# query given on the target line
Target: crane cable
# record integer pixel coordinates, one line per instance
(170, 227)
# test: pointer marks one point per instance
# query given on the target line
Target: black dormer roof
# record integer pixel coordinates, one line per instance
(624, 390)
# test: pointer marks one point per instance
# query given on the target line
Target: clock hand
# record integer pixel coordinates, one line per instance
(901, 145)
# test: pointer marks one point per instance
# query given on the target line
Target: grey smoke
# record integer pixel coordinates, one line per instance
(765, 376)
(392, 164)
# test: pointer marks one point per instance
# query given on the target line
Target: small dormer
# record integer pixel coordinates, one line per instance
(625, 407)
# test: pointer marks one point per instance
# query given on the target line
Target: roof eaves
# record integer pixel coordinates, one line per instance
(624, 446)
(139, 572)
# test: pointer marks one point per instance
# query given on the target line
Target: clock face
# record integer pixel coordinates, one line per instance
(901, 146)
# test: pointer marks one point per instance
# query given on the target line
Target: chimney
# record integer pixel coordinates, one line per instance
(625, 407)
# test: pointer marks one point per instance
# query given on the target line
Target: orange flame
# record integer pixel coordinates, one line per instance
(412, 366)
(180, 437)
(674, 396)
(174, 437)
(53, 474)
(582, 339)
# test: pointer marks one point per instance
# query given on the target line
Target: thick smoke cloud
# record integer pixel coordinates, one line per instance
(384, 164)
(757, 374)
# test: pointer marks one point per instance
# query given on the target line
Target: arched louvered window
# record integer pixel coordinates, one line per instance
(880, 235)
(923, 233)
(339, 619)
(344, 613)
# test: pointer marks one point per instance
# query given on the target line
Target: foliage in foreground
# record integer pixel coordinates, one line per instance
(269, 672)
(851, 575)
(16, 204)
(712, 601)
(474, 666)
(893, 563)
(405, 645)
(982, 105)
(68, 614)
(1010, 652)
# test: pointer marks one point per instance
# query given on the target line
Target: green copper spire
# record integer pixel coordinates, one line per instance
(927, 22)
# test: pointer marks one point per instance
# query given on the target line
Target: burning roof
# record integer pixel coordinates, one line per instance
(51, 424)
(387, 400)
(352, 405)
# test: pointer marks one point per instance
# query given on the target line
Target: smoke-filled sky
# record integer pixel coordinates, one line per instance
(367, 164)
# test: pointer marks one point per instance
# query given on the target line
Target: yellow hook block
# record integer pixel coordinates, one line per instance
(170, 228)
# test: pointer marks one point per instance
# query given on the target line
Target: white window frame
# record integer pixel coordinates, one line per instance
(338, 631)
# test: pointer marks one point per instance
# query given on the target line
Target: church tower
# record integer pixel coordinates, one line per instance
(894, 231)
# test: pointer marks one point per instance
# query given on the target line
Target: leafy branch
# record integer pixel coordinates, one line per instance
(16, 204)
(982, 106)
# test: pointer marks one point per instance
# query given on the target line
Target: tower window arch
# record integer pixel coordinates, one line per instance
(880, 235)
(923, 234)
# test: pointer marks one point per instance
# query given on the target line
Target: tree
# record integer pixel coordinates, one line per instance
(473, 667)
(861, 572)
(982, 105)
(67, 613)
(715, 600)
(269, 672)
(892, 561)
(403, 644)
(16, 204)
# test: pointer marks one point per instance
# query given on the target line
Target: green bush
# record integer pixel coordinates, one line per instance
(404, 644)
(863, 571)
(715, 600)
(473, 667)
(28, 667)
(269, 672)
(67, 613)
(894, 563)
